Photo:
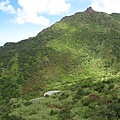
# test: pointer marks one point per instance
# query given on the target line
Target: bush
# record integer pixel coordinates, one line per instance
(63, 96)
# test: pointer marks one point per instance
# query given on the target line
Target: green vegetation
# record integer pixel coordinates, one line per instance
(79, 55)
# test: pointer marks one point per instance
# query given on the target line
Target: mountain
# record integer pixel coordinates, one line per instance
(80, 55)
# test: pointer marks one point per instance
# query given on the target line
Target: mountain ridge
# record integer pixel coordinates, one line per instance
(88, 10)
(80, 54)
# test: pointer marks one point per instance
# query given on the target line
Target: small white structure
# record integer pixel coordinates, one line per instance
(51, 92)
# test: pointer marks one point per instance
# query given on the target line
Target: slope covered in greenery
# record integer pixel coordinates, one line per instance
(79, 55)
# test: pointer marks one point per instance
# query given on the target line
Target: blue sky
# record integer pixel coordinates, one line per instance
(21, 19)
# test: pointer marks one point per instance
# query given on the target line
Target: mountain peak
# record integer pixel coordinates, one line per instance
(90, 10)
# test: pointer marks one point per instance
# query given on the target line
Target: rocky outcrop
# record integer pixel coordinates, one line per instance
(51, 92)
(90, 10)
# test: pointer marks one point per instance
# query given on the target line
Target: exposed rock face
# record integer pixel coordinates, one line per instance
(52, 92)
(90, 10)
(36, 100)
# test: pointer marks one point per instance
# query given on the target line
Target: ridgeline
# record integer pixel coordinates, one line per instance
(79, 55)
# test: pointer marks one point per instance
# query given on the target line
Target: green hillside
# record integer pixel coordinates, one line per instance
(79, 55)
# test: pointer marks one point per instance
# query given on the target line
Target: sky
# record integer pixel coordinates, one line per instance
(21, 19)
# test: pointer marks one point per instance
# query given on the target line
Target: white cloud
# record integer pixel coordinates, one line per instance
(108, 6)
(30, 17)
(56, 8)
(6, 7)
(31, 11)
(52, 7)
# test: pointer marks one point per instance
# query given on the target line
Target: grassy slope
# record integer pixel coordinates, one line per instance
(78, 48)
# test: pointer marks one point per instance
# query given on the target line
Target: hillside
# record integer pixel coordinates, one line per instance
(79, 55)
